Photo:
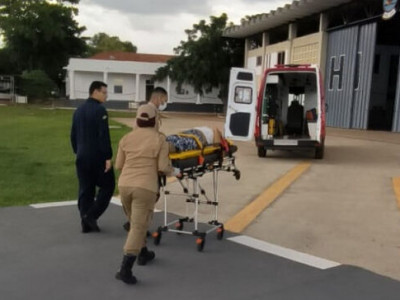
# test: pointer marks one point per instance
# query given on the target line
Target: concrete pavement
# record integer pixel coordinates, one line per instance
(343, 208)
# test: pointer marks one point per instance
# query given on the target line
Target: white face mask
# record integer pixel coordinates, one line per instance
(163, 106)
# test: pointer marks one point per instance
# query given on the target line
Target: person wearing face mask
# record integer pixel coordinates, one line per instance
(159, 99)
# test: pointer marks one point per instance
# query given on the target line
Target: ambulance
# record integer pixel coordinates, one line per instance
(288, 114)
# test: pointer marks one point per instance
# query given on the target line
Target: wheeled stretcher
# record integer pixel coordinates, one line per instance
(194, 164)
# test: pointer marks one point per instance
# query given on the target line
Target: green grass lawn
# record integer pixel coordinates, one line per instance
(36, 159)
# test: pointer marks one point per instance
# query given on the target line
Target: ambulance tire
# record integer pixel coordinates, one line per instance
(262, 152)
(319, 151)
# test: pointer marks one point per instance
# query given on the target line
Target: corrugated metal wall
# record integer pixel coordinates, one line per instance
(396, 117)
(364, 69)
(339, 79)
(348, 76)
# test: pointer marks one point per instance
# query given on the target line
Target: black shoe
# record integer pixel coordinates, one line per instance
(91, 223)
(85, 228)
(127, 226)
(145, 256)
(125, 273)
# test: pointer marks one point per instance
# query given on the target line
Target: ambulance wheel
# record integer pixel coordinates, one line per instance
(200, 243)
(157, 236)
(262, 152)
(220, 232)
(319, 151)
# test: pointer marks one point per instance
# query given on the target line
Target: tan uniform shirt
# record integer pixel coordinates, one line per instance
(142, 153)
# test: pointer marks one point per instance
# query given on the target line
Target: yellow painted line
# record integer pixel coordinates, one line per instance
(396, 187)
(171, 179)
(247, 215)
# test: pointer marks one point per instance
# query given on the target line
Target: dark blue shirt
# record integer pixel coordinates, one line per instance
(90, 136)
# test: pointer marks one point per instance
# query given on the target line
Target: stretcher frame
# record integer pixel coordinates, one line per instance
(194, 194)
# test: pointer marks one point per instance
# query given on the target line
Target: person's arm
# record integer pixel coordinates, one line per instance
(104, 134)
(120, 160)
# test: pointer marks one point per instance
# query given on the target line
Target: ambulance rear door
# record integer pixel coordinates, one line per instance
(242, 101)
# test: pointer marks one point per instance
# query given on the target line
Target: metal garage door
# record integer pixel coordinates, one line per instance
(348, 75)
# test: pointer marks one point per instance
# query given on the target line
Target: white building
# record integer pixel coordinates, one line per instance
(129, 80)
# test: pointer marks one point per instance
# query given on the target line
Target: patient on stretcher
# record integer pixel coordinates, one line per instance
(194, 138)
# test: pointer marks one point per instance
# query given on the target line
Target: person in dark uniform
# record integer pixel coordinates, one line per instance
(90, 139)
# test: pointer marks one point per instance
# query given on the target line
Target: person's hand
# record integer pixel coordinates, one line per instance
(108, 165)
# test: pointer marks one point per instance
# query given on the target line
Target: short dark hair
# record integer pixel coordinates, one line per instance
(96, 85)
(159, 90)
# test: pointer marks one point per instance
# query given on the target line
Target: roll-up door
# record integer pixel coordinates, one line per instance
(339, 77)
(363, 75)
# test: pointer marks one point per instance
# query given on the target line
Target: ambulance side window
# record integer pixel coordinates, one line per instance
(243, 95)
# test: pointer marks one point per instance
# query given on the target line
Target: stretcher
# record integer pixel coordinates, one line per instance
(194, 164)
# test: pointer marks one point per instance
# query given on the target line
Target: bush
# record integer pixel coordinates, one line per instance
(36, 84)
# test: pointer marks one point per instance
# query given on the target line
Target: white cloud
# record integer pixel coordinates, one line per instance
(157, 26)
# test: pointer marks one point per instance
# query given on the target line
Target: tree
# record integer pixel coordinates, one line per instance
(101, 42)
(40, 35)
(205, 59)
(36, 84)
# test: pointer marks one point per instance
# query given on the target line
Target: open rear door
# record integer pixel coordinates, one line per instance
(242, 101)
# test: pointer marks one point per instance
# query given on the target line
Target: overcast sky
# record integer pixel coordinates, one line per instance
(157, 26)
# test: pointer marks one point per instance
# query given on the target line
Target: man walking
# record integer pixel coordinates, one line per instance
(159, 99)
(90, 139)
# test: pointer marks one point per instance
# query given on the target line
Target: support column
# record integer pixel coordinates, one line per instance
(169, 90)
(246, 52)
(265, 44)
(137, 92)
(71, 76)
(105, 77)
(292, 36)
(323, 25)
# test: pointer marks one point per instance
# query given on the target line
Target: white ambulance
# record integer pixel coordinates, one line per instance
(288, 114)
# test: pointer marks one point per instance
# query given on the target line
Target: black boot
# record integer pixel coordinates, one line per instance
(125, 273)
(145, 256)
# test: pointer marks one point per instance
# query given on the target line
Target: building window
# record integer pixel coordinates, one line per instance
(182, 91)
(118, 89)
(281, 58)
(259, 61)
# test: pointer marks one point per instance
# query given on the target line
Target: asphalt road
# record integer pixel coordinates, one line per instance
(341, 213)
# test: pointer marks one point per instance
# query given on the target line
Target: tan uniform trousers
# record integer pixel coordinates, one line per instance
(138, 205)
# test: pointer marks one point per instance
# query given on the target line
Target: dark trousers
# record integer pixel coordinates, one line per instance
(91, 175)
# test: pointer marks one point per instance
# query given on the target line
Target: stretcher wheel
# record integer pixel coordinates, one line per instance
(157, 236)
(220, 232)
(262, 152)
(200, 243)
(236, 173)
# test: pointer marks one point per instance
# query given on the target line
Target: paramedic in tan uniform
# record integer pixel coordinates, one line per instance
(158, 100)
(142, 154)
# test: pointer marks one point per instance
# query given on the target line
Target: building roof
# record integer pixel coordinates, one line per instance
(130, 56)
(282, 15)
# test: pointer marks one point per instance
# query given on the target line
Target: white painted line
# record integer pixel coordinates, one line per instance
(300, 257)
(54, 204)
(114, 200)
